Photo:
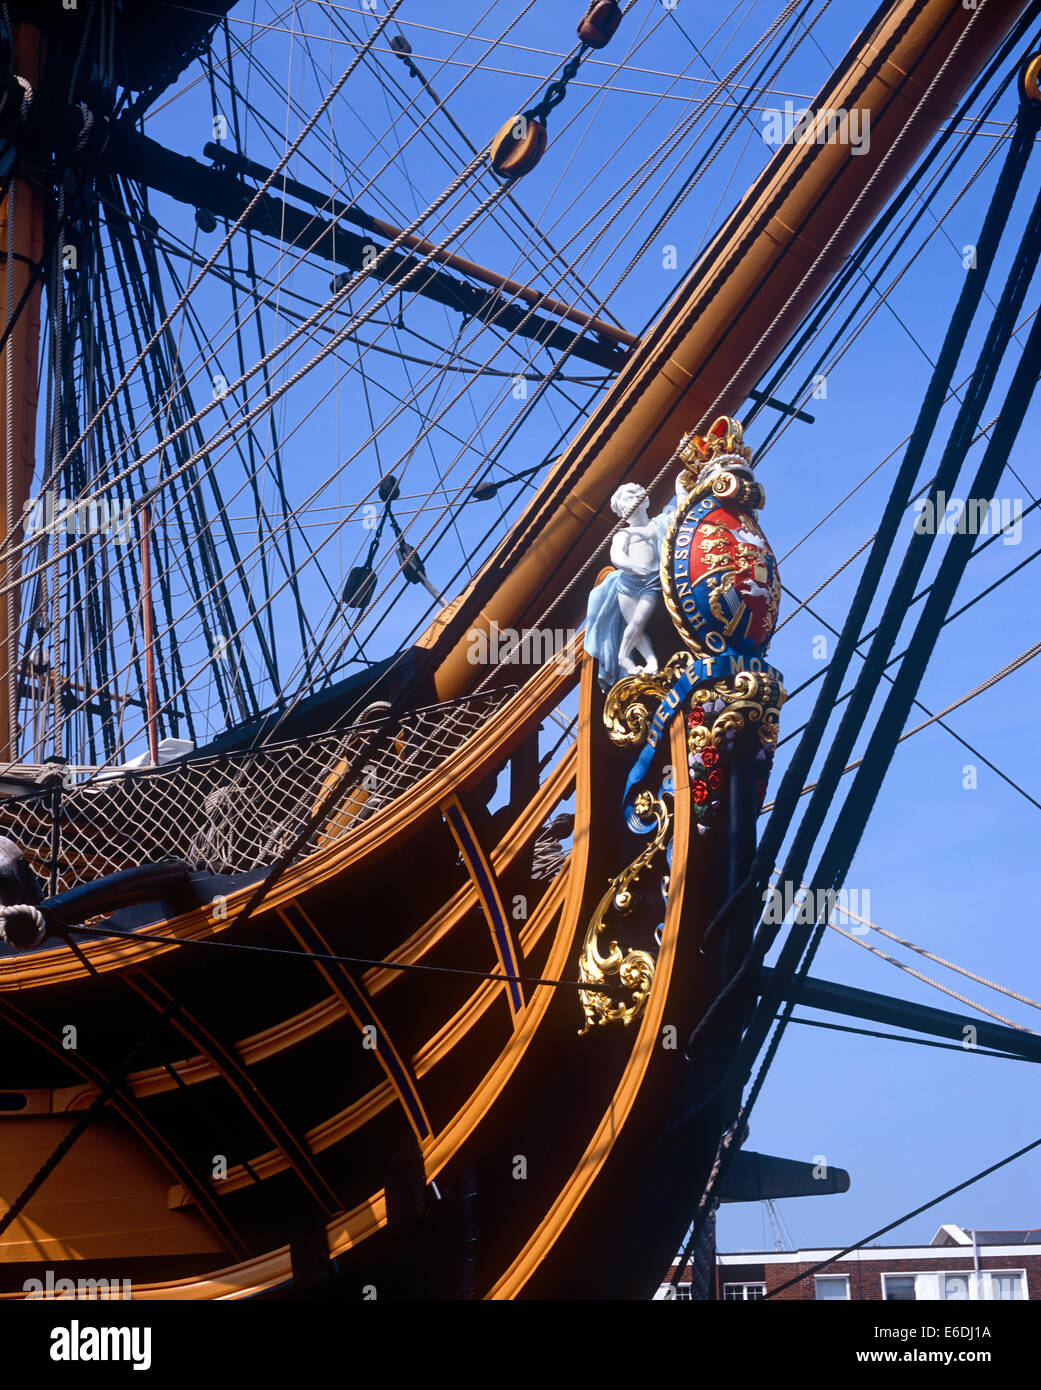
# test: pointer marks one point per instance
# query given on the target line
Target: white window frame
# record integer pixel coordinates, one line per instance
(988, 1274)
(980, 1290)
(744, 1285)
(830, 1279)
(898, 1274)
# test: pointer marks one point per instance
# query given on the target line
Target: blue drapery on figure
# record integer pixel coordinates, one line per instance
(661, 521)
(604, 621)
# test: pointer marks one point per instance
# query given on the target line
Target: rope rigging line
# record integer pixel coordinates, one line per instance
(882, 225)
(917, 1042)
(690, 183)
(332, 302)
(70, 1138)
(854, 265)
(256, 410)
(441, 108)
(273, 458)
(921, 594)
(921, 950)
(845, 833)
(798, 951)
(926, 979)
(760, 948)
(1006, 670)
(796, 774)
(959, 551)
(803, 603)
(604, 544)
(608, 538)
(825, 363)
(379, 259)
(920, 104)
(622, 521)
(381, 962)
(290, 151)
(288, 514)
(939, 960)
(583, 289)
(458, 363)
(496, 977)
(661, 474)
(975, 128)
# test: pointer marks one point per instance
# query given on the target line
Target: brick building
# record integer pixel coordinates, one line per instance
(956, 1265)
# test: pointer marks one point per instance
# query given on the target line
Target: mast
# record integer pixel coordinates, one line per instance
(21, 242)
(738, 307)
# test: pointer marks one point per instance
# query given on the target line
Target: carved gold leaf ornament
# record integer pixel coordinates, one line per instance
(626, 714)
(716, 479)
(627, 717)
(749, 698)
(633, 969)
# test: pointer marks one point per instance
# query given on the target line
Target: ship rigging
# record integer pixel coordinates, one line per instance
(319, 376)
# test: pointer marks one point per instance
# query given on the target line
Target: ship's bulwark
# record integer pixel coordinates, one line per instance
(469, 1152)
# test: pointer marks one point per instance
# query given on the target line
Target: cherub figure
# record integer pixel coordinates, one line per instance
(621, 605)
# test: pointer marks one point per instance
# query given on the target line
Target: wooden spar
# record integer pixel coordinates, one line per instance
(149, 635)
(505, 285)
(230, 159)
(706, 352)
(21, 241)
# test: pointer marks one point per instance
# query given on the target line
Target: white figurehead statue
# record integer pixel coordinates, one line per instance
(621, 605)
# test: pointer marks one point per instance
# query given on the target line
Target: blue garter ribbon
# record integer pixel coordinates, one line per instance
(672, 702)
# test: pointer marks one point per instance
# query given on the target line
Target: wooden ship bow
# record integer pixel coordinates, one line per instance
(304, 1014)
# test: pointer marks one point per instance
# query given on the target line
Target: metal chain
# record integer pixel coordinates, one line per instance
(556, 91)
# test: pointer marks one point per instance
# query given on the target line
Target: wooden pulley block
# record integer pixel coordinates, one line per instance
(1030, 79)
(518, 147)
(599, 23)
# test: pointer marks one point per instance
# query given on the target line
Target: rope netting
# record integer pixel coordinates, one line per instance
(234, 812)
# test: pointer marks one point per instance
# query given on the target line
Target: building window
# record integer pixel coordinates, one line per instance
(683, 1291)
(1008, 1285)
(955, 1287)
(733, 1293)
(962, 1286)
(831, 1286)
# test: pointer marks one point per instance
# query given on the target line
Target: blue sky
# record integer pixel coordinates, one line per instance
(952, 869)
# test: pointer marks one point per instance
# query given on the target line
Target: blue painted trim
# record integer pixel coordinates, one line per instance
(460, 827)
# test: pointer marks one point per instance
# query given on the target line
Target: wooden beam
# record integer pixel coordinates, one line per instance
(901, 1013)
(135, 156)
(21, 249)
(343, 212)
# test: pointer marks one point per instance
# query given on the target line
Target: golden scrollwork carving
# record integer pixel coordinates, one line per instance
(740, 490)
(634, 970)
(750, 698)
(626, 712)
